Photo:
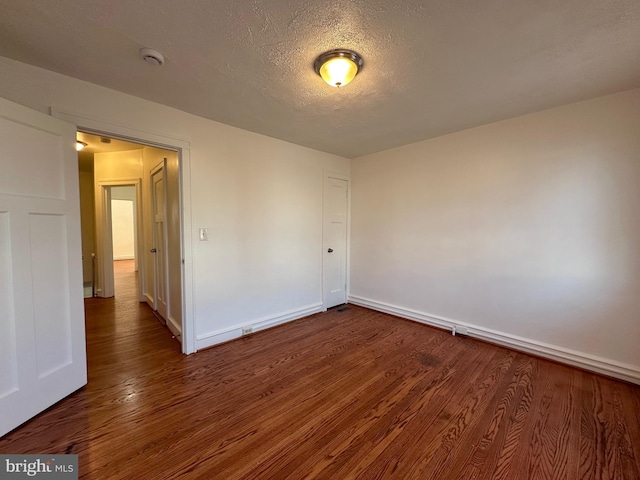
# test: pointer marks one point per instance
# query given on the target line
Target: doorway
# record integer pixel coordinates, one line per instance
(123, 221)
(182, 262)
(124, 236)
(111, 242)
(131, 223)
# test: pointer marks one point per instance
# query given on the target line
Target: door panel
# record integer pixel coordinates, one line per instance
(44, 179)
(160, 240)
(51, 315)
(42, 345)
(335, 241)
(8, 352)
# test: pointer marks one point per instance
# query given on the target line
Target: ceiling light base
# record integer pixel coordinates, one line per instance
(338, 67)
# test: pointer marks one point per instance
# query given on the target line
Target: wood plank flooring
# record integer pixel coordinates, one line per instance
(339, 395)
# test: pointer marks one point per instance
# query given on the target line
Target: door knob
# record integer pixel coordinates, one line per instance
(153, 250)
(330, 250)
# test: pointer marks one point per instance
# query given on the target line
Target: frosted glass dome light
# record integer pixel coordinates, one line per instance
(338, 67)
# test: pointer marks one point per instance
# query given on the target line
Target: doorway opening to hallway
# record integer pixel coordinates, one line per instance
(131, 223)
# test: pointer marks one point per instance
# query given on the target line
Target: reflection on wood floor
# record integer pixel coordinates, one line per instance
(343, 394)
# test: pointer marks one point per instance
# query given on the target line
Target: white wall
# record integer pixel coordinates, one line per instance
(123, 213)
(528, 227)
(122, 229)
(260, 198)
(117, 165)
(125, 192)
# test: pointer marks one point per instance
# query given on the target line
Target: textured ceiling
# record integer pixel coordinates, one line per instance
(431, 67)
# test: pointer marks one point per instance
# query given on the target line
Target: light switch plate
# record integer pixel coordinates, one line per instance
(204, 234)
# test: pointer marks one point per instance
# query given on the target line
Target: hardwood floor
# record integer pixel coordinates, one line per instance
(350, 393)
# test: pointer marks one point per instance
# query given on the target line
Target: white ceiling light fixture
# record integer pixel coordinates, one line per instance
(151, 56)
(338, 67)
(80, 145)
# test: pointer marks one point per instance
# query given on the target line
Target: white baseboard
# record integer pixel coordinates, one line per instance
(124, 257)
(149, 299)
(229, 333)
(174, 326)
(612, 368)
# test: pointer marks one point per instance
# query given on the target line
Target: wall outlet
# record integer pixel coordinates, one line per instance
(461, 330)
(247, 330)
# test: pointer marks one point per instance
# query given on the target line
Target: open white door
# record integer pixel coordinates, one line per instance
(42, 339)
(158, 197)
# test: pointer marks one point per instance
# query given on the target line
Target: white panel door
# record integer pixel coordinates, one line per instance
(42, 339)
(335, 202)
(158, 192)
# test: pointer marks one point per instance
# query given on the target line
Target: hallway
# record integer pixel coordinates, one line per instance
(122, 329)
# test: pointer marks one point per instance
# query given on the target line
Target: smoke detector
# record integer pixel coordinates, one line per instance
(151, 56)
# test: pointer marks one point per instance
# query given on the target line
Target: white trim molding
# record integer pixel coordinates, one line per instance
(592, 363)
(149, 299)
(223, 335)
(174, 326)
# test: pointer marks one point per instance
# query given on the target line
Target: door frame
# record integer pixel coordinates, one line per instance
(340, 176)
(182, 147)
(104, 235)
